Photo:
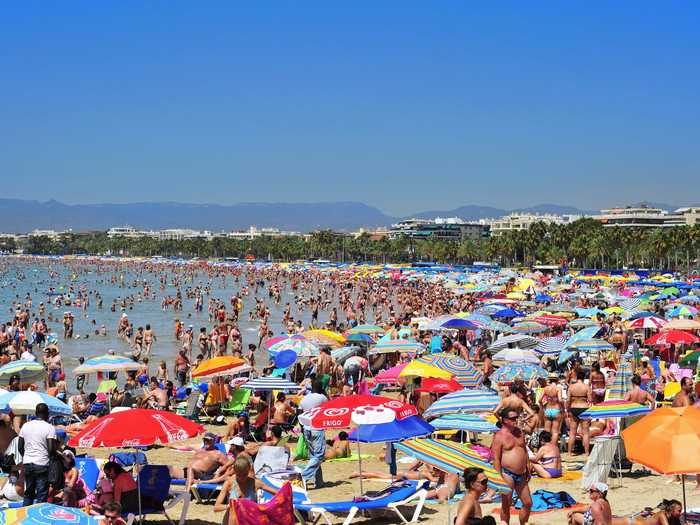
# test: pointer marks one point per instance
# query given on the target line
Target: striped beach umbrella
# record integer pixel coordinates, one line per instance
(622, 383)
(650, 323)
(529, 327)
(107, 363)
(404, 346)
(28, 371)
(589, 345)
(25, 402)
(369, 329)
(464, 401)
(550, 345)
(521, 340)
(466, 422)
(299, 345)
(632, 303)
(550, 320)
(512, 371)
(271, 383)
(464, 372)
(452, 457)
(615, 408)
(582, 322)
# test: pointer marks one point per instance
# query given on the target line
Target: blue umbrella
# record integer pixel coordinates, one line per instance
(360, 338)
(508, 312)
(459, 324)
(466, 422)
(414, 426)
(512, 371)
(285, 358)
(544, 298)
(24, 402)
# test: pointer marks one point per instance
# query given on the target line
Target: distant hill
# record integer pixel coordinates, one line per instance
(473, 212)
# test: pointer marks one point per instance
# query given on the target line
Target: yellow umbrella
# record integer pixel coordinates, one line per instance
(418, 369)
(310, 334)
(217, 365)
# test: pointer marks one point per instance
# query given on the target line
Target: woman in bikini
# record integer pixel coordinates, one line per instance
(669, 514)
(547, 461)
(552, 407)
(578, 402)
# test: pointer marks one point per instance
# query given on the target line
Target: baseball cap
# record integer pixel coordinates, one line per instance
(210, 435)
(237, 441)
(599, 486)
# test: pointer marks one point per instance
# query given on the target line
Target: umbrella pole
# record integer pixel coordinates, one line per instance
(359, 458)
(685, 505)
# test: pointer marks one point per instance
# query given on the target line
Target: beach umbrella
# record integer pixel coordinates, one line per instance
(459, 324)
(276, 339)
(360, 338)
(269, 383)
(439, 386)
(404, 346)
(589, 345)
(550, 320)
(391, 375)
(615, 408)
(340, 355)
(464, 372)
(550, 345)
(690, 299)
(682, 311)
(370, 329)
(396, 430)
(467, 400)
(622, 382)
(650, 323)
(325, 338)
(690, 360)
(299, 345)
(24, 403)
(667, 441)
(682, 324)
(638, 315)
(338, 412)
(582, 322)
(508, 313)
(671, 337)
(521, 340)
(512, 371)
(516, 355)
(452, 457)
(631, 303)
(107, 363)
(47, 514)
(543, 298)
(420, 369)
(136, 427)
(465, 422)
(28, 371)
(528, 327)
(218, 365)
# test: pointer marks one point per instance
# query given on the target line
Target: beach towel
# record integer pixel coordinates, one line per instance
(278, 511)
(567, 475)
(352, 457)
(543, 500)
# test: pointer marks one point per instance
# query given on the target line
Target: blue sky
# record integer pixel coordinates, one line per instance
(400, 104)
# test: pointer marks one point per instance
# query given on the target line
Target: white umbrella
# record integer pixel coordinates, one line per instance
(517, 355)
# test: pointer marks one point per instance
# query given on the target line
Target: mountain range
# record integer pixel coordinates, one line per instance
(21, 216)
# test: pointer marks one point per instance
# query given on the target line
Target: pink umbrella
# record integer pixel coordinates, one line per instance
(391, 375)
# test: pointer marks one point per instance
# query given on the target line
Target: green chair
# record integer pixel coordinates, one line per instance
(238, 402)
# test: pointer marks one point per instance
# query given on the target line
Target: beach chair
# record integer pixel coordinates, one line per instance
(390, 499)
(238, 402)
(89, 471)
(156, 495)
(270, 459)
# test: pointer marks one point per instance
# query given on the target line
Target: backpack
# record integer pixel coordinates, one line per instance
(548, 500)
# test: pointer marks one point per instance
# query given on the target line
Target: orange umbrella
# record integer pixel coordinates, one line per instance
(217, 365)
(667, 441)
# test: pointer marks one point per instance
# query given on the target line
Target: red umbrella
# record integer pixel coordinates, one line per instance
(136, 427)
(439, 386)
(337, 413)
(550, 320)
(672, 337)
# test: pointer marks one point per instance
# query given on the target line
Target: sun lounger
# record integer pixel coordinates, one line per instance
(156, 495)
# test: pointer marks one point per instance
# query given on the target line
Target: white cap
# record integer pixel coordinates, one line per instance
(599, 486)
(237, 441)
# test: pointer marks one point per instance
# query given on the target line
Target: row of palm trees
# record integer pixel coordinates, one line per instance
(583, 243)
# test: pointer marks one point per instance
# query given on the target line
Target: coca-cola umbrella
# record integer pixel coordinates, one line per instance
(672, 337)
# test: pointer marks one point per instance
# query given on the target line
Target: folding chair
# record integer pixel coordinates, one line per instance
(156, 496)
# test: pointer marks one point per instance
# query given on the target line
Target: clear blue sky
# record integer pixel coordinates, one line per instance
(400, 104)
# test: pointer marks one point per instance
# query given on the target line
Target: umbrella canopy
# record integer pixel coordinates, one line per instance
(667, 440)
(615, 408)
(464, 372)
(516, 355)
(466, 422)
(420, 369)
(370, 329)
(406, 346)
(582, 322)
(45, 514)
(439, 386)
(550, 320)
(690, 359)
(298, 344)
(521, 340)
(269, 383)
(459, 324)
(529, 327)
(24, 403)
(452, 457)
(338, 412)
(622, 383)
(671, 337)
(360, 338)
(217, 365)
(650, 323)
(136, 427)
(413, 426)
(467, 400)
(106, 363)
(513, 371)
(28, 371)
(550, 345)
(391, 375)
(682, 324)
(589, 345)
(507, 313)
(276, 339)
(323, 337)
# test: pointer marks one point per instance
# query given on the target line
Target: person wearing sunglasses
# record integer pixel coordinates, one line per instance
(510, 459)
(469, 512)
(598, 512)
(113, 514)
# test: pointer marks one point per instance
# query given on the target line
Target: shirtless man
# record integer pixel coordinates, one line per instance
(511, 460)
(205, 464)
(637, 395)
(516, 401)
(281, 410)
(682, 398)
(155, 397)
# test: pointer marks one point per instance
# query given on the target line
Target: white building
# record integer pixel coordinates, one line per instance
(523, 221)
(127, 231)
(645, 217)
(254, 232)
(51, 234)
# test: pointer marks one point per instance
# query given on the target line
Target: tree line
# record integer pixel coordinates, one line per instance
(585, 243)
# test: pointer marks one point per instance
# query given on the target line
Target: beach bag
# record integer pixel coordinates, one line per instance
(302, 450)
(548, 500)
(57, 472)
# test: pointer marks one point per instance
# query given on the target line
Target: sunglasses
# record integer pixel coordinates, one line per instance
(483, 482)
(511, 418)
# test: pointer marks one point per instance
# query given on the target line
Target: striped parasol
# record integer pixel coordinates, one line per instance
(550, 320)
(522, 340)
(28, 371)
(466, 374)
(651, 323)
(271, 383)
(467, 400)
(589, 345)
(528, 327)
(466, 422)
(452, 457)
(582, 322)
(615, 408)
(369, 329)
(631, 304)
(551, 345)
(513, 371)
(107, 363)
(622, 383)
(404, 346)
(299, 345)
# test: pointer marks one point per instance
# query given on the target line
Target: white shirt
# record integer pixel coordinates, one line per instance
(36, 448)
(28, 356)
